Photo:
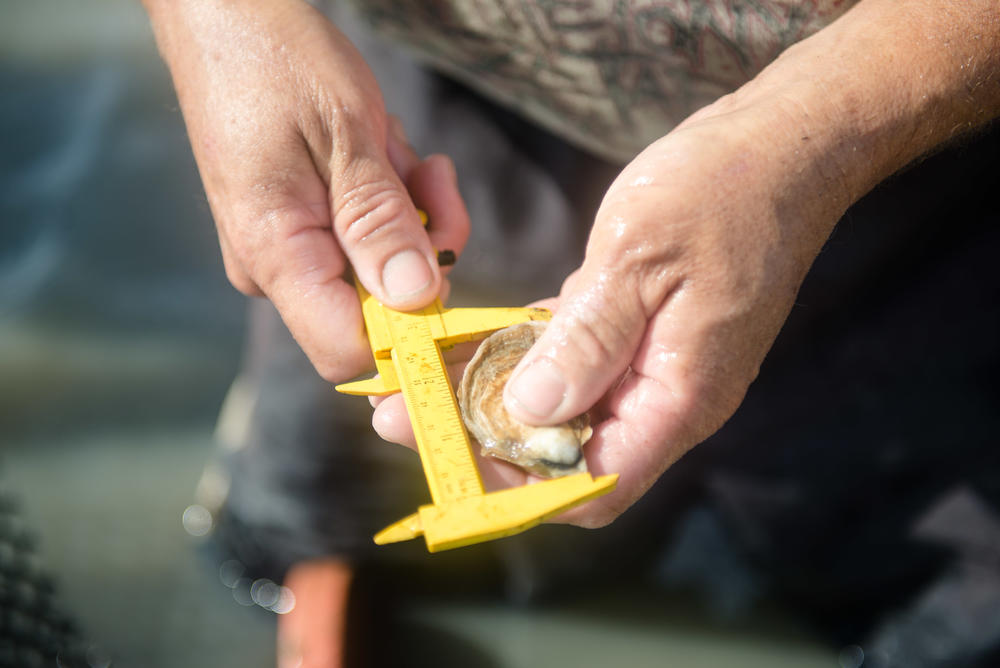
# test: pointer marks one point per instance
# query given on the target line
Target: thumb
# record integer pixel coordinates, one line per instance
(585, 349)
(377, 226)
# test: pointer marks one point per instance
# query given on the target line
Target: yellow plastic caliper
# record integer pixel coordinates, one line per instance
(407, 348)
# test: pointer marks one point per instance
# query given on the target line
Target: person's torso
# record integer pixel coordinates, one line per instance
(610, 75)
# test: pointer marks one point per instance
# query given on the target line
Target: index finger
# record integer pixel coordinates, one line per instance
(318, 305)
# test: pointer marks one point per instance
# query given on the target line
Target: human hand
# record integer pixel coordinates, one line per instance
(306, 175)
(700, 245)
(692, 266)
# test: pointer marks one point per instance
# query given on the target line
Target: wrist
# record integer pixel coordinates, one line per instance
(883, 86)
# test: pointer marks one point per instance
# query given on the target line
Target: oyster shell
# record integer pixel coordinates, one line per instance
(546, 451)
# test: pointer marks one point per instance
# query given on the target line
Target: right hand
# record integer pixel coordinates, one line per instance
(306, 175)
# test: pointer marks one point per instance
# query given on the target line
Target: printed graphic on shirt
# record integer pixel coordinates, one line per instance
(612, 75)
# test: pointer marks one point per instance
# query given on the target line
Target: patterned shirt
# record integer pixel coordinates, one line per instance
(609, 75)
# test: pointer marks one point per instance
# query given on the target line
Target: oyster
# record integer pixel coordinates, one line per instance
(546, 451)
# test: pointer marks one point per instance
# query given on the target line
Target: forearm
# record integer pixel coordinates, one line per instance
(887, 83)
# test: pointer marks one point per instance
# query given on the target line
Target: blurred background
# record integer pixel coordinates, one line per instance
(118, 339)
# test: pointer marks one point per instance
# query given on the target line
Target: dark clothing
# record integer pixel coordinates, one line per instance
(859, 481)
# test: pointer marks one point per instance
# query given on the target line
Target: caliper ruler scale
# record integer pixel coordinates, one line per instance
(407, 350)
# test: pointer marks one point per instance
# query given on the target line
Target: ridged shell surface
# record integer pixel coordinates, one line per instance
(546, 451)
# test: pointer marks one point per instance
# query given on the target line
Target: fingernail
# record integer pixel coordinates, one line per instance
(406, 274)
(539, 389)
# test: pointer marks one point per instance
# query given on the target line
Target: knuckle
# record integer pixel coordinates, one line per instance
(240, 280)
(341, 364)
(604, 331)
(369, 210)
(246, 287)
(271, 234)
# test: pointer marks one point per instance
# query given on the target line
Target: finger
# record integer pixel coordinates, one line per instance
(642, 435)
(434, 187)
(287, 247)
(445, 290)
(603, 311)
(319, 307)
(237, 276)
(583, 351)
(549, 303)
(395, 425)
(392, 423)
(376, 224)
(671, 398)
(455, 360)
(375, 400)
(401, 154)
